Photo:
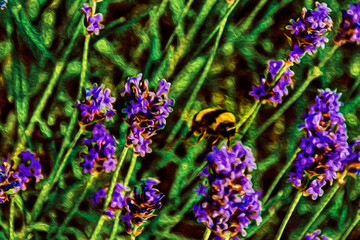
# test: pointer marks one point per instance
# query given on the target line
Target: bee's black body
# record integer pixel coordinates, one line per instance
(213, 122)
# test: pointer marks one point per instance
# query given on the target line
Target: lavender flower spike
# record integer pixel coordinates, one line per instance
(92, 22)
(101, 148)
(118, 200)
(324, 147)
(146, 113)
(97, 106)
(228, 202)
(308, 32)
(350, 26)
(12, 181)
(279, 88)
(141, 205)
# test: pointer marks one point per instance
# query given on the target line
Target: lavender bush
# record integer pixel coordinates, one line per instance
(96, 98)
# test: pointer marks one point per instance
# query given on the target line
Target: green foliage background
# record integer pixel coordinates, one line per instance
(41, 45)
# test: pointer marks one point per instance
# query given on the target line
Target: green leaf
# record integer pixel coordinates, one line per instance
(45, 129)
(40, 226)
(28, 31)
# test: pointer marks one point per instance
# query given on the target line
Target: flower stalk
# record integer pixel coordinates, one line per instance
(207, 234)
(44, 194)
(101, 220)
(320, 208)
(352, 226)
(126, 182)
(288, 215)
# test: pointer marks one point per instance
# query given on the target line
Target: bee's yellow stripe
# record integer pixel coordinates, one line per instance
(201, 114)
(222, 118)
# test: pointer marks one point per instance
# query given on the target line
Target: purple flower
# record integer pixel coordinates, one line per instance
(118, 199)
(12, 181)
(141, 205)
(201, 191)
(101, 148)
(146, 113)
(259, 91)
(314, 236)
(98, 195)
(350, 26)
(28, 167)
(324, 148)
(279, 88)
(296, 53)
(110, 213)
(228, 200)
(296, 27)
(315, 189)
(97, 106)
(92, 22)
(87, 10)
(308, 32)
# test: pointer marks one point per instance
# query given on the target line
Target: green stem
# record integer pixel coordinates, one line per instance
(111, 189)
(115, 177)
(186, 41)
(133, 237)
(251, 120)
(179, 22)
(314, 73)
(155, 52)
(194, 93)
(353, 88)
(248, 114)
(115, 226)
(207, 234)
(272, 206)
(131, 169)
(118, 213)
(44, 194)
(353, 103)
(11, 219)
(279, 176)
(67, 137)
(288, 215)
(328, 56)
(84, 64)
(93, 11)
(117, 26)
(352, 226)
(215, 30)
(256, 107)
(89, 180)
(181, 210)
(320, 208)
(250, 19)
(59, 66)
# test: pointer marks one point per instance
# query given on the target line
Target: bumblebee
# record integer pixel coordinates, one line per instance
(213, 122)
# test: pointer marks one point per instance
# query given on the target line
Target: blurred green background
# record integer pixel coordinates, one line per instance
(41, 43)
